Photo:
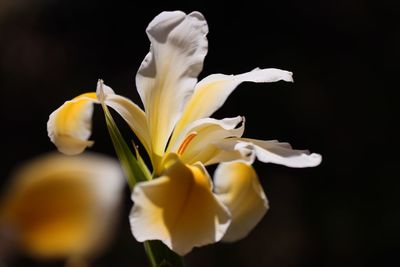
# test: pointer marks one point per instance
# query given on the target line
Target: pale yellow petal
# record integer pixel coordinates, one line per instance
(178, 208)
(238, 187)
(211, 92)
(204, 134)
(69, 127)
(62, 206)
(168, 74)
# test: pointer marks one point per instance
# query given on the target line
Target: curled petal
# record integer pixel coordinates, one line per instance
(231, 150)
(211, 92)
(178, 208)
(69, 127)
(238, 187)
(63, 206)
(168, 74)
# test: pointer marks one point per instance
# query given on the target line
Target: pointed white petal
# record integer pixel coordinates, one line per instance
(272, 151)
(168, 74)
(129, 111)
(211, 92)
(283, 154)
(237, 186)
(178, 208)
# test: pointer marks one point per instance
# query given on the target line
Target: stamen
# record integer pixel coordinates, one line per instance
(186, 142)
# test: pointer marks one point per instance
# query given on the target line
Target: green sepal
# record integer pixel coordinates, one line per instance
(135, 171)
(141, 163)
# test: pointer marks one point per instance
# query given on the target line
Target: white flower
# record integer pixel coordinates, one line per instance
(180, 137)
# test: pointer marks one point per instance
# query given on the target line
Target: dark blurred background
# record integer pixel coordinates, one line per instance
(345, 57)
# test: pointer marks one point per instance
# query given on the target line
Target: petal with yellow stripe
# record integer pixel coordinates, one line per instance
(197, 141)
(69, 126)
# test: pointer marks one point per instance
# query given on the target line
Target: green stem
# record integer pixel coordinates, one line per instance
(160, 255)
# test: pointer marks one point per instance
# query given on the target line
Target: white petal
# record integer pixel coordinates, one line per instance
(211, 92)
(238, 187)
(178, 208)
(168, 74)
(129, 111)
(69, 127)
(283, 154)
(61, 206)
(272, 151)
(247, 150)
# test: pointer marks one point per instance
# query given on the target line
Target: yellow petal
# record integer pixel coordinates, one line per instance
(69, 127)
(178, 208)
(168, 74)
(63, 206)
(238, 187)
(211, 92)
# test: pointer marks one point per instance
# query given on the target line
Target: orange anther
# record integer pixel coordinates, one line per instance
(186, 142)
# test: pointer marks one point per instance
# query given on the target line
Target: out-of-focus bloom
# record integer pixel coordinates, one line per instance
(60, 206)
(181, 206)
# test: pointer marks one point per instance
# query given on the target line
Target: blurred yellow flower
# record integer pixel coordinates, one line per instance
(61, 206)
(182, 207)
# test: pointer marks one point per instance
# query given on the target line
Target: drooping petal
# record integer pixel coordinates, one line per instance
(211, 92)
(204, 134)
(168, 74)
(237, 186)
(62, 206)
(69, 126)
(178, 208)
(129, 111)
(283, 154)
(271, 151)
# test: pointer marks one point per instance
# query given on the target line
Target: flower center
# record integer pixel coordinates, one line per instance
(186, 142)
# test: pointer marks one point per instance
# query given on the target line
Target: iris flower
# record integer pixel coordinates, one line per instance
(181, 205)
(59, 206)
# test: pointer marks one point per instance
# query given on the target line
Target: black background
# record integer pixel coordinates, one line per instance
(344, 55)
